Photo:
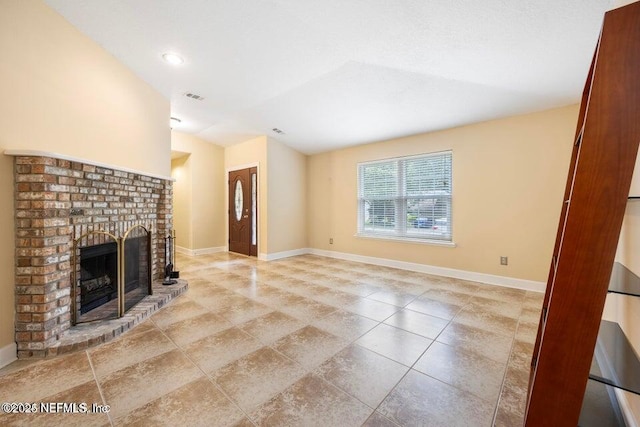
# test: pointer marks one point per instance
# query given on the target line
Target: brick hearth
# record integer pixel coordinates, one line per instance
(56, 201)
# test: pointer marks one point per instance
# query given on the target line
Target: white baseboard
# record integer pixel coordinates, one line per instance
(8, 354)
(284, 254)
(184, 251)
(207, 251)
(490, 279)
(203, 251)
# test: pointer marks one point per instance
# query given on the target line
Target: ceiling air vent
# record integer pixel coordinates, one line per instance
(194, 96)
(276, 130)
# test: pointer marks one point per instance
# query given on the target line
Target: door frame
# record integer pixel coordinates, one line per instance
(226, 192)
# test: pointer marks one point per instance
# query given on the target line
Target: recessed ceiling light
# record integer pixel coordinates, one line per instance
(174, 121)
(172, 58)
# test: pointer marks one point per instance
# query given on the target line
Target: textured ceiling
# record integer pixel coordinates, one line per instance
(335, 73)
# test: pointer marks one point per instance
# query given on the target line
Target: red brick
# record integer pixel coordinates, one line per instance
(23, 336)
(41, 336)
(24, 299)
(23, 243)
(30, 160)
(23, 280)
(23, 317)
(38, 299)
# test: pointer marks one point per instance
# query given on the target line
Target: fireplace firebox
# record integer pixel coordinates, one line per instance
(98, 276)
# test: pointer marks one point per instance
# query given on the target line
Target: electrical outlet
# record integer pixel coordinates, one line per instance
(504, 260)
(331, 240)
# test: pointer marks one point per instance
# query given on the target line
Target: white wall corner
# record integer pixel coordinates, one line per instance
(8, 354)
(489, 279)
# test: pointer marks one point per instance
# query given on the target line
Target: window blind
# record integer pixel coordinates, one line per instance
(407, 197)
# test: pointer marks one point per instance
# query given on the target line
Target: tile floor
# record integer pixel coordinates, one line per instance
(302, 341)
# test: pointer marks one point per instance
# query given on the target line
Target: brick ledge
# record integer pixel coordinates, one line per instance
(86, 335)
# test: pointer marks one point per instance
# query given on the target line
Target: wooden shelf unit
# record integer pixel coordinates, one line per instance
(596, 194)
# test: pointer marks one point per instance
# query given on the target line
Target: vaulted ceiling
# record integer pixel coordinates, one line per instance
(335, 73)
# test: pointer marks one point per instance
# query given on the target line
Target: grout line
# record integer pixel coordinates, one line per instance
(506, 369)
(211, 380)
(313, 370)
(378, 323)
(468, 303)
(95, 377)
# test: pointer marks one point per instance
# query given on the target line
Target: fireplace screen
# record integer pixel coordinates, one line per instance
(137, 266)
(111, 274)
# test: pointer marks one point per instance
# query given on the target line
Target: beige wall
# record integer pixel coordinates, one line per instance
(203, 178)
(239, 156)
(508, 181)
(62, 93)
(181, 173)
(287, 198)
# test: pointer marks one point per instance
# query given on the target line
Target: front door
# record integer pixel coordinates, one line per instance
(243, 211)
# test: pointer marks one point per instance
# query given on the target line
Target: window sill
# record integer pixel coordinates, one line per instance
(407, 240)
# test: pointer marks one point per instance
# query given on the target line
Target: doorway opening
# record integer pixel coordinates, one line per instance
(243, 211)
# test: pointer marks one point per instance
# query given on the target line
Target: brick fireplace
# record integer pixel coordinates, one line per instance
(57, 201)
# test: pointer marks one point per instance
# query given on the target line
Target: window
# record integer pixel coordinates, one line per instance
(407, 197)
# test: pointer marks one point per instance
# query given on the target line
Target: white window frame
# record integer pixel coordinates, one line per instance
(401, 231)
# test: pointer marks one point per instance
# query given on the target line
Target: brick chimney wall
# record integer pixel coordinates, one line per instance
(56, 201)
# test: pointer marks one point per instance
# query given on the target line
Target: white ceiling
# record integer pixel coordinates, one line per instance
(335, 73)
